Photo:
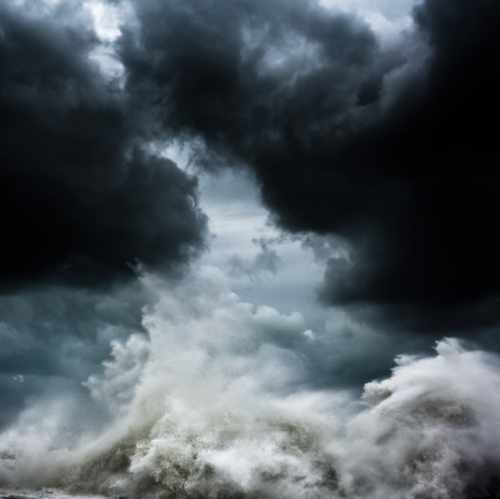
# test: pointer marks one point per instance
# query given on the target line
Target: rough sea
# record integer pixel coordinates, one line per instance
(201, 408)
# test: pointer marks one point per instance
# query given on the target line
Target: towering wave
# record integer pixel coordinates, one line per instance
(207, 406)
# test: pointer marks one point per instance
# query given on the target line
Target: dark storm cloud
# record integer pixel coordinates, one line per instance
(241, 73)
(394, 150)
(79, 199)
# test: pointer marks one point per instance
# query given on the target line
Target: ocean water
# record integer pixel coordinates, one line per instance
(203, 408)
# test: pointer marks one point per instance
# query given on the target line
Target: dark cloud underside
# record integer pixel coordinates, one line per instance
(79, 200)
(394, 150)
(383, 158)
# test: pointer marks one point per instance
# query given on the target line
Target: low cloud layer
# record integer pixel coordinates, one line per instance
(53, 338)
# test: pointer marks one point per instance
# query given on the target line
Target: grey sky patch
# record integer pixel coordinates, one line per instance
(267, 260)
(326, 247)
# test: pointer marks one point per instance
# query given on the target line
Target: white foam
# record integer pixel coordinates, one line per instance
(206, 407)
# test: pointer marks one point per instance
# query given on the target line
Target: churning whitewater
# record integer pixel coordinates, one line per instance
(213, 403)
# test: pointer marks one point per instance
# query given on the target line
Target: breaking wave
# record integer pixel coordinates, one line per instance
(210, 405)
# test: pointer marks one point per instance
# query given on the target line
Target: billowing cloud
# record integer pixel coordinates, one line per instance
(372, 141)
(374, 149)
(81, 201)
(392, 147)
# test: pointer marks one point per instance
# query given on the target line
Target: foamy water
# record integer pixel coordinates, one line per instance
(208, 406)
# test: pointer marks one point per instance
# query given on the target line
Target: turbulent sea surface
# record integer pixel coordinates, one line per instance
(204, 415)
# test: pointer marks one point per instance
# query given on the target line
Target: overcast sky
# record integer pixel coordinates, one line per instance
(332, 163)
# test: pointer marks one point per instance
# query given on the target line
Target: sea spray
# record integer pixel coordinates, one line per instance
(210, 405)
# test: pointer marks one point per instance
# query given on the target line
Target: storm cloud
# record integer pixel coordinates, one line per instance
(377, 153)
(81, 201)
(391, 147)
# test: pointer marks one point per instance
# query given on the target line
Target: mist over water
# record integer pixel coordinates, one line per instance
(215, 403)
